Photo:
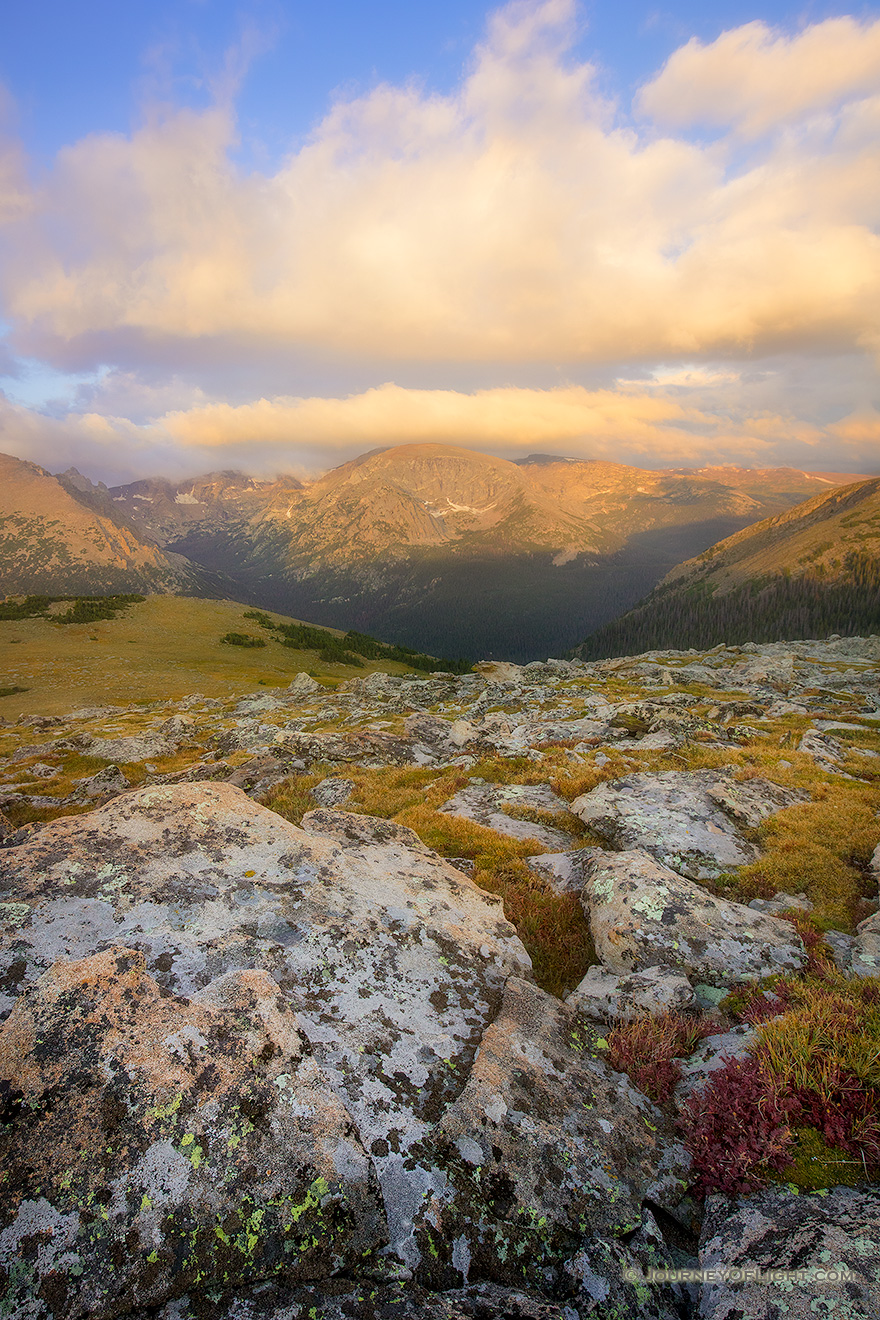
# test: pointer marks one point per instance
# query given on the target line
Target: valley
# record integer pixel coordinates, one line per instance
(435, 547)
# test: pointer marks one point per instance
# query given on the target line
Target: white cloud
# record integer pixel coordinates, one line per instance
(513, 220)
(756, 78)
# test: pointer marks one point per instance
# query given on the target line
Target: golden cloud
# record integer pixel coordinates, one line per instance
(512, 220)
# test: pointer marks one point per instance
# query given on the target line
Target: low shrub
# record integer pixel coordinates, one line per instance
(648, 1048)
(737, 1129)
(241, 639)
(807, 1104)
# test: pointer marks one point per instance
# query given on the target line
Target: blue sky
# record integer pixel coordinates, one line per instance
(273, 234)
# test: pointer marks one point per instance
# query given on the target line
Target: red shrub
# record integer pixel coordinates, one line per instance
(648, 1049)
(737, 1128)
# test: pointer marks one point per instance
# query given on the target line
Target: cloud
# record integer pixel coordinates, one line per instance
(661, 426)
(514, 220)
(756, 78)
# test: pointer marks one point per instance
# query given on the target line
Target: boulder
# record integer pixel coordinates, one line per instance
(303, 688)
(345, 1299)
(548, 1156)
(489, 804)
(712, 1053)
(565, 872)
(153, 1143)
(689, 820)
(643, 914)
(609, 998)
(828, 1244)
(865, 953)
(826, 751)
(394, 961)
(333, 792)
(109, 782)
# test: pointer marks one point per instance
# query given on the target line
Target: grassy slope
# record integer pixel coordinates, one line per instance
(166, 648)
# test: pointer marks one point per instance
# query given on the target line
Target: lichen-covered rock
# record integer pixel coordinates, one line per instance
(642, 915)
(565, 872)
(490, 805)
(333, 792)
(547, 1156)
(829, 1242)
(688, 820)
(865, 952)
(153, 1144)
(394, 961)
(712, 1053)
(609, 998)
(369, 1299)
(108, 782)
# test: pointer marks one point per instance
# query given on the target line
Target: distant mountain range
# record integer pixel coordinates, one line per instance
(809, 572)
(434, 546)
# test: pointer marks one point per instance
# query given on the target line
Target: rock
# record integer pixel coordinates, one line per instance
(303, 688)
(831, 1242)
(841, 946)
(157, 1143)
(642, 915)
(6, 826)
(688, 820)
(549, 1156)
(343, 1299)
(874, 866)
(332, 792)
(826, 751)
(564, 872)
(485, 805)
(394, 961)
(261, 774)
(609, 998)
(781, 902)
(109, 782)
(361, 747)
(865, 953)
(712, 1053)
(500, 671)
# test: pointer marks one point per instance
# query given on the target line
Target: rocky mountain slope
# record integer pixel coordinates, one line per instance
(444, 996)
(61, 534)
(456, 552)
(813, 569)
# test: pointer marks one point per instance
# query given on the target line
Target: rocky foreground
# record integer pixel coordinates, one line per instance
(284, 1059)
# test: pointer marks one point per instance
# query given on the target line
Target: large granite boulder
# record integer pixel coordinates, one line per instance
(827, 1247)
(644, 915)
(394, 961)
(548, 1157)
(691, 821)
(154, 1143)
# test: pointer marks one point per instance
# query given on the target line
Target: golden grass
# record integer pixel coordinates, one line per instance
(167, 647)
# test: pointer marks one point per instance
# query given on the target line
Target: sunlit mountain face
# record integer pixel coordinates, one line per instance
(454, 551)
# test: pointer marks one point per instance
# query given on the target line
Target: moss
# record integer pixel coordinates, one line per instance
(817, 1165)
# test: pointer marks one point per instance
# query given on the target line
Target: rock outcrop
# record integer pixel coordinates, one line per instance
(644, 915)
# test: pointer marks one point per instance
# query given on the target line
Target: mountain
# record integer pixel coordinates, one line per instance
(808, 572)
(456, 552)
(64, 535)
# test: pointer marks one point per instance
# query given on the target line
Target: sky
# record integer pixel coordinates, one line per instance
(272, 235)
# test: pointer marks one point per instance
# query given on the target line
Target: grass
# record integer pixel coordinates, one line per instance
(166, 647)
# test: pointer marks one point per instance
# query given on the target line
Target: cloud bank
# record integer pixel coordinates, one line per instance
(523, 219)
